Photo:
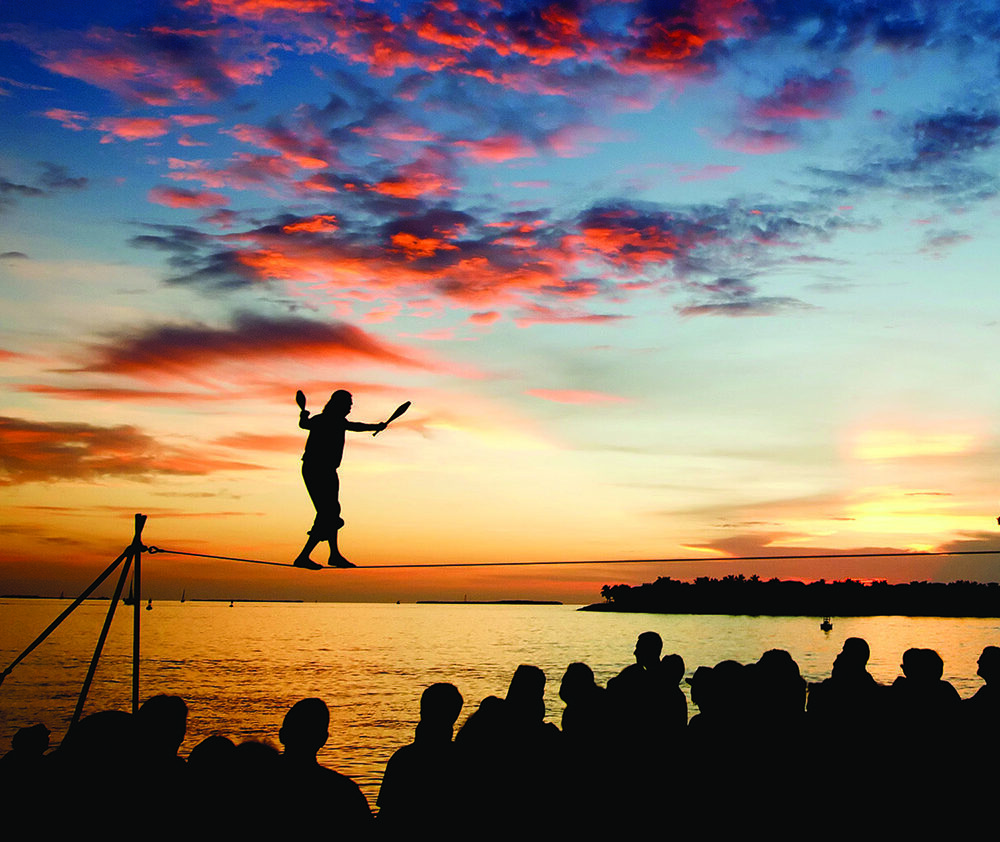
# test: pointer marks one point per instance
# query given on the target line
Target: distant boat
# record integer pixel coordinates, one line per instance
(183, 592)
(826, 625)
(130, 599)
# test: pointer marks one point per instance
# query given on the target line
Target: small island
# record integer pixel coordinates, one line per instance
(753, 596)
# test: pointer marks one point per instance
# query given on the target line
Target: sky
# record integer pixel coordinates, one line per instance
(661, 279)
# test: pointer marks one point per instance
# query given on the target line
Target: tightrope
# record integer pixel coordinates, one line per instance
(688, 559)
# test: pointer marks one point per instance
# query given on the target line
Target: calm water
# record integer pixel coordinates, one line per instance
(241, 668)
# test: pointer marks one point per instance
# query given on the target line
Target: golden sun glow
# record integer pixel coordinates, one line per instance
(905, 444)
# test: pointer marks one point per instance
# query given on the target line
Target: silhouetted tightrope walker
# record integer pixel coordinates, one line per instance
(323, 453)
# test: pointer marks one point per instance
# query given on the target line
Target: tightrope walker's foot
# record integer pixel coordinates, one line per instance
(307, 563)
(340, 561)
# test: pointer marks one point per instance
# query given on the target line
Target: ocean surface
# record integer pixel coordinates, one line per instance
(241, 668)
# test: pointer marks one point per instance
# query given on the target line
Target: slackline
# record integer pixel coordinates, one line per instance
(691, 559)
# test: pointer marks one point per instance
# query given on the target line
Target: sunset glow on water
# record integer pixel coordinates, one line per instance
(241, 668)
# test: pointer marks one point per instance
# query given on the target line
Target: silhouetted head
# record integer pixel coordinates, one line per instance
(162, 723)
(989, 665)
(577, 681)
(922, 665)
(857, 649)
(934, 664)
(777, 664)
(305, 729)
(853, 658)
(107, 737)
(525, 694)
(648, 647)
(33, 740)
(673, 668)
(340, 402)
(212, 754)
(703, 688)
(440, 705)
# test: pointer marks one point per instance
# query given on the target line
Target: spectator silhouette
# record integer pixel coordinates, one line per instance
(418, 787)
(23, 770)
(510, 755)
(848, 700)
(981, 732)
(585, 718)
(984, 707)
(317, 798)
(923, 714)
(646, 726)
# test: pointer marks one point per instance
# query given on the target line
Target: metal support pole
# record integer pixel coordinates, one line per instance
(133, 553)
(69, 610)
(137, 548)
(100, 641)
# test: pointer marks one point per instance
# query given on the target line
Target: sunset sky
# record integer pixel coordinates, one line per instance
(697, 279)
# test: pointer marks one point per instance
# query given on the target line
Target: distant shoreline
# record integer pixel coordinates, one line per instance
(754, 597)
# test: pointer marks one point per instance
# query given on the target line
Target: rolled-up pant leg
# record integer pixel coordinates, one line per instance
(323, 486)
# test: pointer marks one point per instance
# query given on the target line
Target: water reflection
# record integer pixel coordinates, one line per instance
(240, 670)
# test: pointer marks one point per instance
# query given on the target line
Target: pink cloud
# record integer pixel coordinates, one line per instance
(178, 197)
(68, 119)
(484, 318)
(191, 120)
(132, 128)
(756, 141)
(709, 172)
(497, 149)
(805, 97)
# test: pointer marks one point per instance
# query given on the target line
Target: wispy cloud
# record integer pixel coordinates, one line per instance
(33, 451)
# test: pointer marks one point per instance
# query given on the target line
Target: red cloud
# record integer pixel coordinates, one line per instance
(181, 350)
(313, 153)
(132, 128)
(127, 395)
(415, 247)
(484, 318)
(157, 66)
(497, 148)
(177, 197)
(318, 224)
(191, 120)
(36, 451)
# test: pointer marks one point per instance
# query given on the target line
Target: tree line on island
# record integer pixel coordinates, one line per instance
(738, 594)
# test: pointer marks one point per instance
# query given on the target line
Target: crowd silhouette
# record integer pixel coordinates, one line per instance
(765, 752)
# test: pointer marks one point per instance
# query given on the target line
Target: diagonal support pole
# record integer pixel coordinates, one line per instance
(132, 554)
(69, 610)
